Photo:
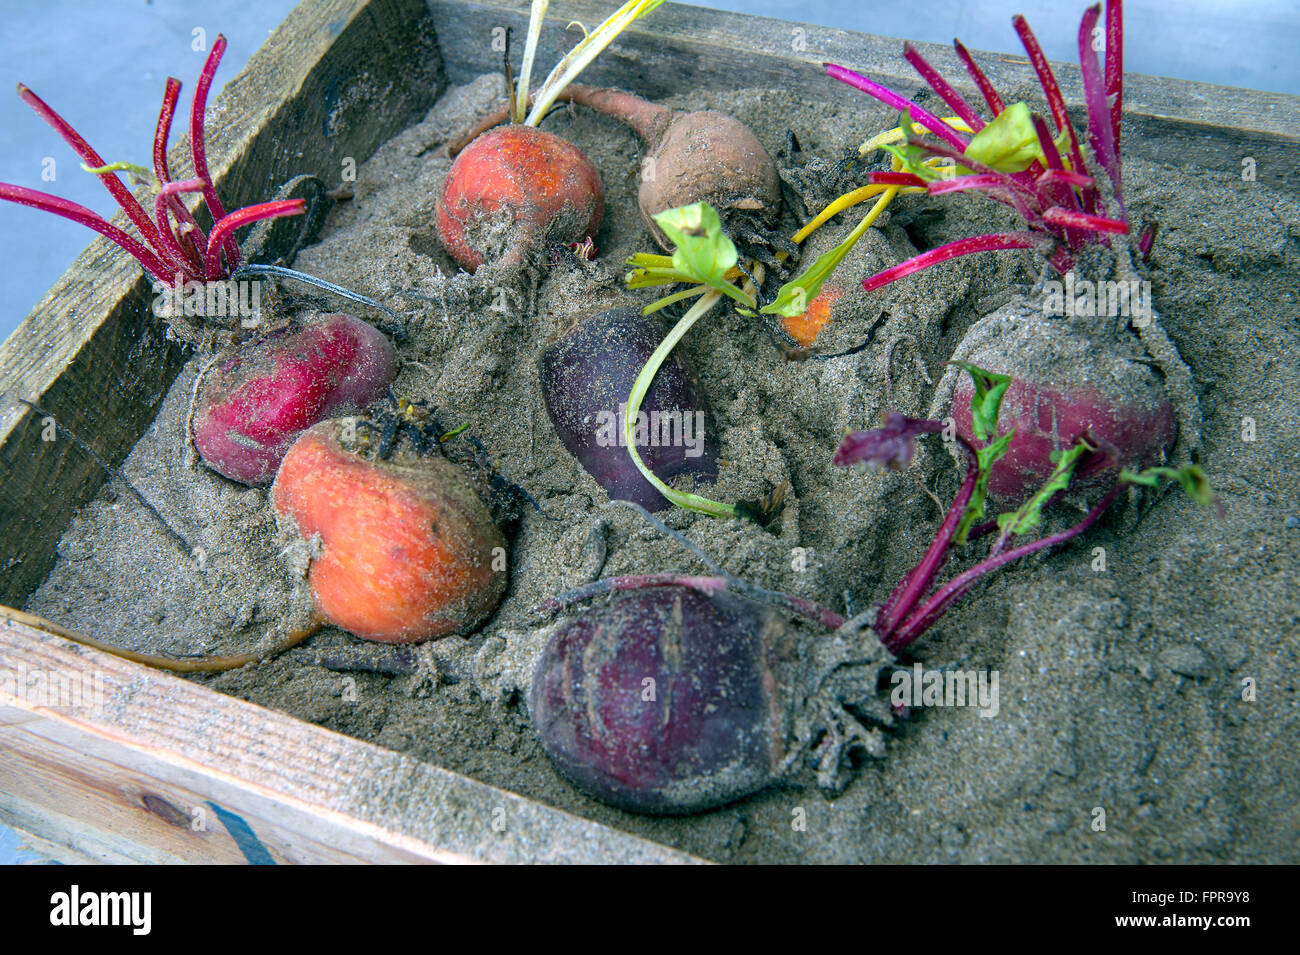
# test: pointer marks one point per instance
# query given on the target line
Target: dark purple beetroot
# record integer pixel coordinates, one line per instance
(669, 700)
(257, 399)
(587, 375)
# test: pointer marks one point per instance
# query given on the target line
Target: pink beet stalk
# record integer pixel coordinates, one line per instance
(222, 232)
(887, 96)
(167, 254)
(1061, 207)
(1101, 134)
(1115, 64)
(198, 150)
(979, 243)
(955, 101)
(186, 254)
(128, 202)
(980, 77)
(79, 213)
(943, 598)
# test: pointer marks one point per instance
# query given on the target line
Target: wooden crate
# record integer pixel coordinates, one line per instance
(157, 769)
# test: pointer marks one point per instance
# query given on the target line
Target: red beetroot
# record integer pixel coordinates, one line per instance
(255, 400)
(1069, 380)
(408, 550)
(514, 191)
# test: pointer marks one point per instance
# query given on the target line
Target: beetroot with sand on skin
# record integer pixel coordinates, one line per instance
(258, 397)
(516, 191)
(586, 376)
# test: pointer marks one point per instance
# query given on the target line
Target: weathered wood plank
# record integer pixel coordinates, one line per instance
(147, 767)
(678, 48)
(336, 79)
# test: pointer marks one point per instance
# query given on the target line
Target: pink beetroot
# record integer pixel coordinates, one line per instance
(257, 399)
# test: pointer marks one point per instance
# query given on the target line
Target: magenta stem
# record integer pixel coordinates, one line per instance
(191, 239)
(167, 198)
(1115, 64)
(918, 580)
(152, 263)
(887, 96)
(134, 211)
(980, 243)
(897, 179)
(1101, 136)
(956, 102)
(943, 598)
(980, 77)
(1081, 220)
(198, 149)
(1052, 90)
(223, 231)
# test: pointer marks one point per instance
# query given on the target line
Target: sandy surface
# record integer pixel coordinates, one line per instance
(1120, 689)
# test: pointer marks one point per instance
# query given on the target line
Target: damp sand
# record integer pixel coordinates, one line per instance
(1120, 690)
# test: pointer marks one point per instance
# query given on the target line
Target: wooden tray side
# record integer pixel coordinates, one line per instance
(114, 762)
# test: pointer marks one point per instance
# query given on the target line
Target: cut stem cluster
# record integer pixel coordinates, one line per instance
(175, 249)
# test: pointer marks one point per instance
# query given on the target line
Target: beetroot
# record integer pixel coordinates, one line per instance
(703, 156)
(517, 191)
(1069, 380)
(408, 551)
(514, 191)
(669, 699)
(257, 398)
(683, 693)
(586, 377)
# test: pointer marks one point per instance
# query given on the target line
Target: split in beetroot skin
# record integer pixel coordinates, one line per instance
(256, 399)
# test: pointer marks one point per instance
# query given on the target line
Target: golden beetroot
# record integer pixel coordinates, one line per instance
(407, 550)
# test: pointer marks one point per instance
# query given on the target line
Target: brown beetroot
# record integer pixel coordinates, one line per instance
(703, 156)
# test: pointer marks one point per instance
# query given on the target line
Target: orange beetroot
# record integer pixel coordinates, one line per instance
(408, 551)
(514, 191)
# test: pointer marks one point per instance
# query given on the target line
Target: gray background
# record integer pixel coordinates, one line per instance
(102, 65)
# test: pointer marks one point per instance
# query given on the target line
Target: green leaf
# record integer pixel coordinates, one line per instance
(703, 250)
(1010, 144)
(1192, 478)
(795, 296)
(985, 458)
(1029, 515)
(987, 400)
